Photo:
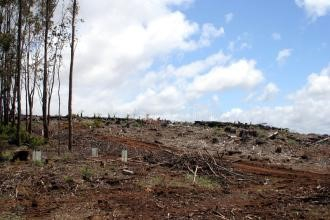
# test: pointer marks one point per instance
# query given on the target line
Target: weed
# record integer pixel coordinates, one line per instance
(203, 181)
(67, 157)
(97, 123)
(86, 173)
(6, 156)
(68, 179)
(38, 163)
(151, 182)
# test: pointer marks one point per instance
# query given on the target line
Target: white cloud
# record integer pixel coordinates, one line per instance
(269, 92)
(183, 82)
(172, 90)
(242, 73)
(242, 42)
(315, 8)
(283, 55)
(229, 17)
(276, 36)
(210, 32)
(308, 112)
(119, 43)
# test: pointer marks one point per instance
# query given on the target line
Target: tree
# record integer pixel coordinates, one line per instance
(73, 28)
(45, 79)
(18, 69)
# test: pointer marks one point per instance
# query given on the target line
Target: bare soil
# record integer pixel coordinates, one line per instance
(244, 172)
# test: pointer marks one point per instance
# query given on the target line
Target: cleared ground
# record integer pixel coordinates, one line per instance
(244, 172)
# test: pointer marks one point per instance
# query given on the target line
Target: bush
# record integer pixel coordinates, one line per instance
(6, 156)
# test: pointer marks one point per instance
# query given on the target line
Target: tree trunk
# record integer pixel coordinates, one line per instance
(18, 83)
(45, 79)
(74, 11)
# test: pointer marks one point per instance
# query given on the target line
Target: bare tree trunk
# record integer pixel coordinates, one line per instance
(27, 79)
(74, 11)
(45, 79)
(18, 83)
(59, 109)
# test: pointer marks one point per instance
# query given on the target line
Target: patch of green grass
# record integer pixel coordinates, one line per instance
(151, 182)
(98, 123)
(86, 173)
(38, 163)
(262, 133)
(95, 123)
(67, 157)
(203, 181)
(6, 155)
(68, 179)
(179, 181)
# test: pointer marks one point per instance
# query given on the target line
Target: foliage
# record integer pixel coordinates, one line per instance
(6, 156)
(86, 173)
(68, 179)
(33, 141)
(203, 181)
(8, 132)
(6, 41)
(38, 163)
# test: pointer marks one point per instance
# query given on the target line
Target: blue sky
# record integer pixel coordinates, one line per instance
(251, 61)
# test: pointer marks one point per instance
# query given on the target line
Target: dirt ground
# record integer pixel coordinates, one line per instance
(243, 172)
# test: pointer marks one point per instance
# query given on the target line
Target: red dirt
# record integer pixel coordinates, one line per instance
(161, 186)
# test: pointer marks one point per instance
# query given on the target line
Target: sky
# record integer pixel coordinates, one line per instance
(250, 61)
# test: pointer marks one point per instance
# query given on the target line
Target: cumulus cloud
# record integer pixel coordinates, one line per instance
(242, 73)
(210, 32)
(229, 17)
(269, 92)
(308, 111)
(283, 55)
(314, 8)
(118, 46)
(184, 84)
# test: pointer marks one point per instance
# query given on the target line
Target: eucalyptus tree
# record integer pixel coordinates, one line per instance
(72, 45)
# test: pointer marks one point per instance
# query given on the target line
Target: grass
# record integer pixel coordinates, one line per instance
(151, 182)
(180, 181)
(203, 181)
(68, 179)
(86, 173)
(95, 123)
(38, 163)
(6, 155)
